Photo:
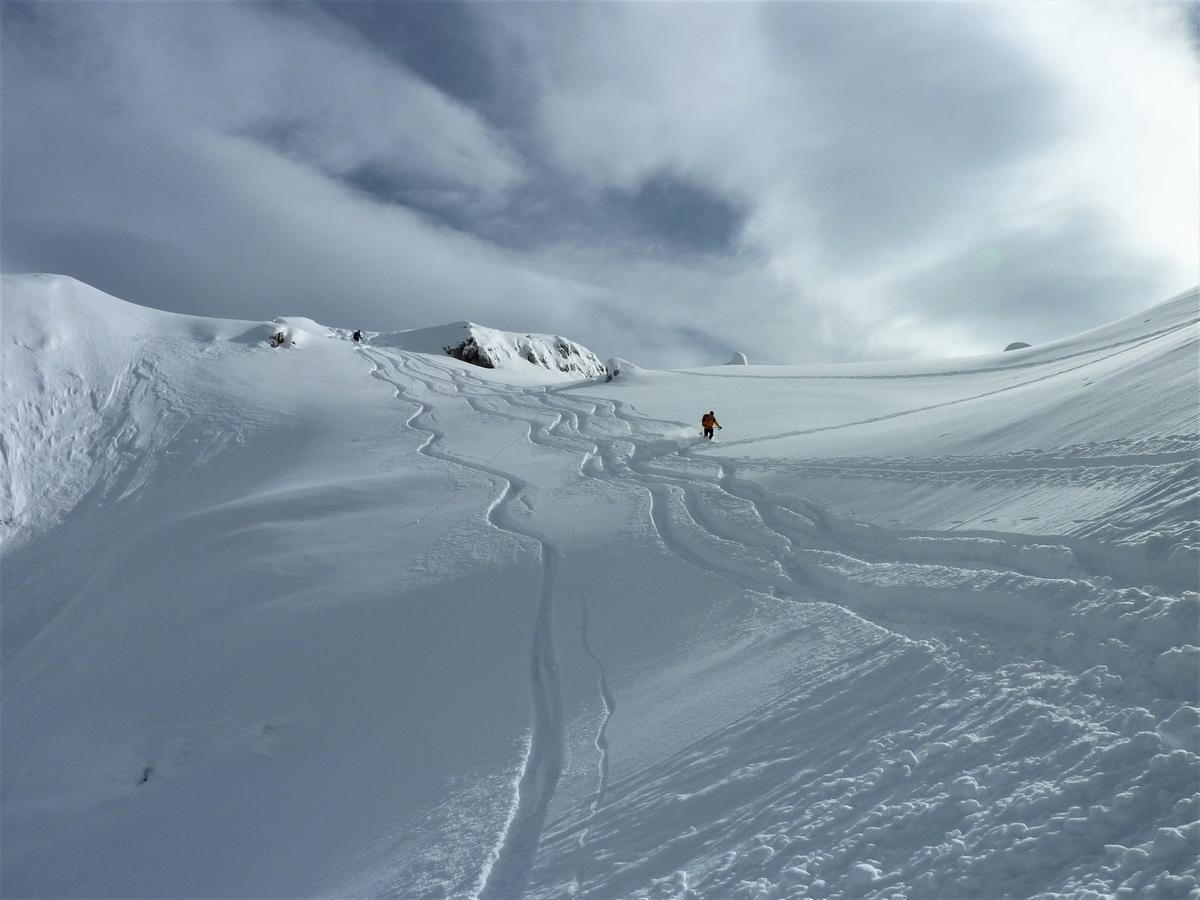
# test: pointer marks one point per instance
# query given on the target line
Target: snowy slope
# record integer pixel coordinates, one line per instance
(369, 620)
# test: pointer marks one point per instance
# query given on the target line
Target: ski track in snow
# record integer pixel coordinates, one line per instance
(601, 742)
(505, 872)
(989, 685)
(819, 556)
(1037, 558)
(796, 549)
(1123, 347)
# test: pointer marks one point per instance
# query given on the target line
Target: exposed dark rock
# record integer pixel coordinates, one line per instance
(470, 352)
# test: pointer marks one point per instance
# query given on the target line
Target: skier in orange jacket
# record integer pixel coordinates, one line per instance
(708, 421)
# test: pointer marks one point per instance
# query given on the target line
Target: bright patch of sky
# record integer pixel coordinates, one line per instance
(796, 181)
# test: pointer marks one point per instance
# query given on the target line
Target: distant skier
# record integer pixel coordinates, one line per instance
(708, 422)
(356, 337)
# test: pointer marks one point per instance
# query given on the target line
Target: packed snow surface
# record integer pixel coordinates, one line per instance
(360, 620)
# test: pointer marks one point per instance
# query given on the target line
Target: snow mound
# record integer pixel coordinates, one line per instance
(297, 330)
(1017, 345)
(738, 359)
(623, 368)
(85, 393)
(491, 348)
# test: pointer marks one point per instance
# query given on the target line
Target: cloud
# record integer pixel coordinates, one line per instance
(846, 124)
(312, 89)
(1030, 283)
(193, 220)
(866, 142)
(660, 181)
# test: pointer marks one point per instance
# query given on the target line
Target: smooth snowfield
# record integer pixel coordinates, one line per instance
(352, 620)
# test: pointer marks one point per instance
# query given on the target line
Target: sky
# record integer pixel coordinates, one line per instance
(668, 182)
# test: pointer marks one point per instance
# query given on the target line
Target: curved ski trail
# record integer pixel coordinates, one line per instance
(601, 742)
(952, 587)
(799, 549)
(506, 871)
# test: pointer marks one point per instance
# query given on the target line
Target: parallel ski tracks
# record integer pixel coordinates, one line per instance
(803, 578)
(543, 764)
(506, 870)
(601, 742)
(758, 556)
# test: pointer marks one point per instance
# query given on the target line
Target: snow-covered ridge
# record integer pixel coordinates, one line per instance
(490, 348)
(77, 364)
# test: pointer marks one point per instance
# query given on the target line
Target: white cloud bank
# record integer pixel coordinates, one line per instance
(883, 146)
(900, 178)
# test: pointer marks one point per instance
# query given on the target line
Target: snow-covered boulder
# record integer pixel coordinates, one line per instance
(738, 359)
(296, 331)
(622, 367)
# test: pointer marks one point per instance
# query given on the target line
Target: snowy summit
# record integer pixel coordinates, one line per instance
(361, 619)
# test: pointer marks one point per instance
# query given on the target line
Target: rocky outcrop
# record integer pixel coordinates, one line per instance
(494, 349)
(469, 351)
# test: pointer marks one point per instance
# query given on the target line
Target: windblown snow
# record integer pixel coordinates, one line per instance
(359, 620)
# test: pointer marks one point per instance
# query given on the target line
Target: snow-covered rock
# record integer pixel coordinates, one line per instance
(622, 368)
(738, 359)
(490, 348)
